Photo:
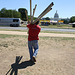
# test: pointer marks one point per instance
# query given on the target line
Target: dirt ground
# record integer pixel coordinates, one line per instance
(56, 56)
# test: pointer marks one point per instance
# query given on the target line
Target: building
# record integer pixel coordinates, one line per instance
(56, 19)
(56, 16)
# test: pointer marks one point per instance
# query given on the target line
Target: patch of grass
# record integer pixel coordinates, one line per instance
(54, 26)
(73, 47)
(59, 26)
(65, 38)
(57, 38)
(9, 36)
(13, 30)
(4, 45)
(58, 32)
(24, 36)
(64, 26)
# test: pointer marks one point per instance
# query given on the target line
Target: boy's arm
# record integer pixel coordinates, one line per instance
(28, 31)
(28, 26)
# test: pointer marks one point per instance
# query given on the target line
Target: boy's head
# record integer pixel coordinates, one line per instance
(37, 23)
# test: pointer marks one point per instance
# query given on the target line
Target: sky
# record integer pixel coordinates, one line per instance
(65, 8)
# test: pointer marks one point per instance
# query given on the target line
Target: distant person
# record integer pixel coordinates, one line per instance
(33, 38)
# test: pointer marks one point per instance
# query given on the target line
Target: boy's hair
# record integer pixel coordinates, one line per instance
(37, 23)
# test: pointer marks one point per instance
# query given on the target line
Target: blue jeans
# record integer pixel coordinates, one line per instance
(33, 45)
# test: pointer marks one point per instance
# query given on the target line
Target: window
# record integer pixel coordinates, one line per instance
(15, 20)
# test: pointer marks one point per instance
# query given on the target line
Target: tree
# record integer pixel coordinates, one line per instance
(3, 12)
(47, 18)
(65, 21)
(33, 17)
(23, 14)
(16, 14)
(72, 19)
(0, 13)
(9, 13)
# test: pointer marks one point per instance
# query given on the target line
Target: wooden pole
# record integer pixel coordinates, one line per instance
(44, 12)
(34, 10)
(30, 9)
(31, 17)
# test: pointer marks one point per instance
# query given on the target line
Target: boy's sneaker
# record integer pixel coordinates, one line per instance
(31, 60)
(34, 59)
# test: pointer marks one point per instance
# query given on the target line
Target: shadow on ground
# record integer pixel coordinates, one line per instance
(14, 67)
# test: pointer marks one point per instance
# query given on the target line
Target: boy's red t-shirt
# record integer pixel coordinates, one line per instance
(33, 32)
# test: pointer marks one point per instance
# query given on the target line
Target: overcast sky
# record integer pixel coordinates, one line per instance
(65, 8)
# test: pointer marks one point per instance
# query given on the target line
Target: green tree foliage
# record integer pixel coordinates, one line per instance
(3, 12)
(33, 17)
(16, 14)
(9, 13)
(23, 14)
(47, 18)
(72, 19)
(65, 21)
(0, 13)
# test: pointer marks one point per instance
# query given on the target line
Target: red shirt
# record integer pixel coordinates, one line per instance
(33, 32)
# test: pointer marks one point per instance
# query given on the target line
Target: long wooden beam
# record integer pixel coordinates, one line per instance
(31, 11)
(44, 12)
(34, 10)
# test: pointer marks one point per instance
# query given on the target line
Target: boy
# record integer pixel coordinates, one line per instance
(33, 38)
